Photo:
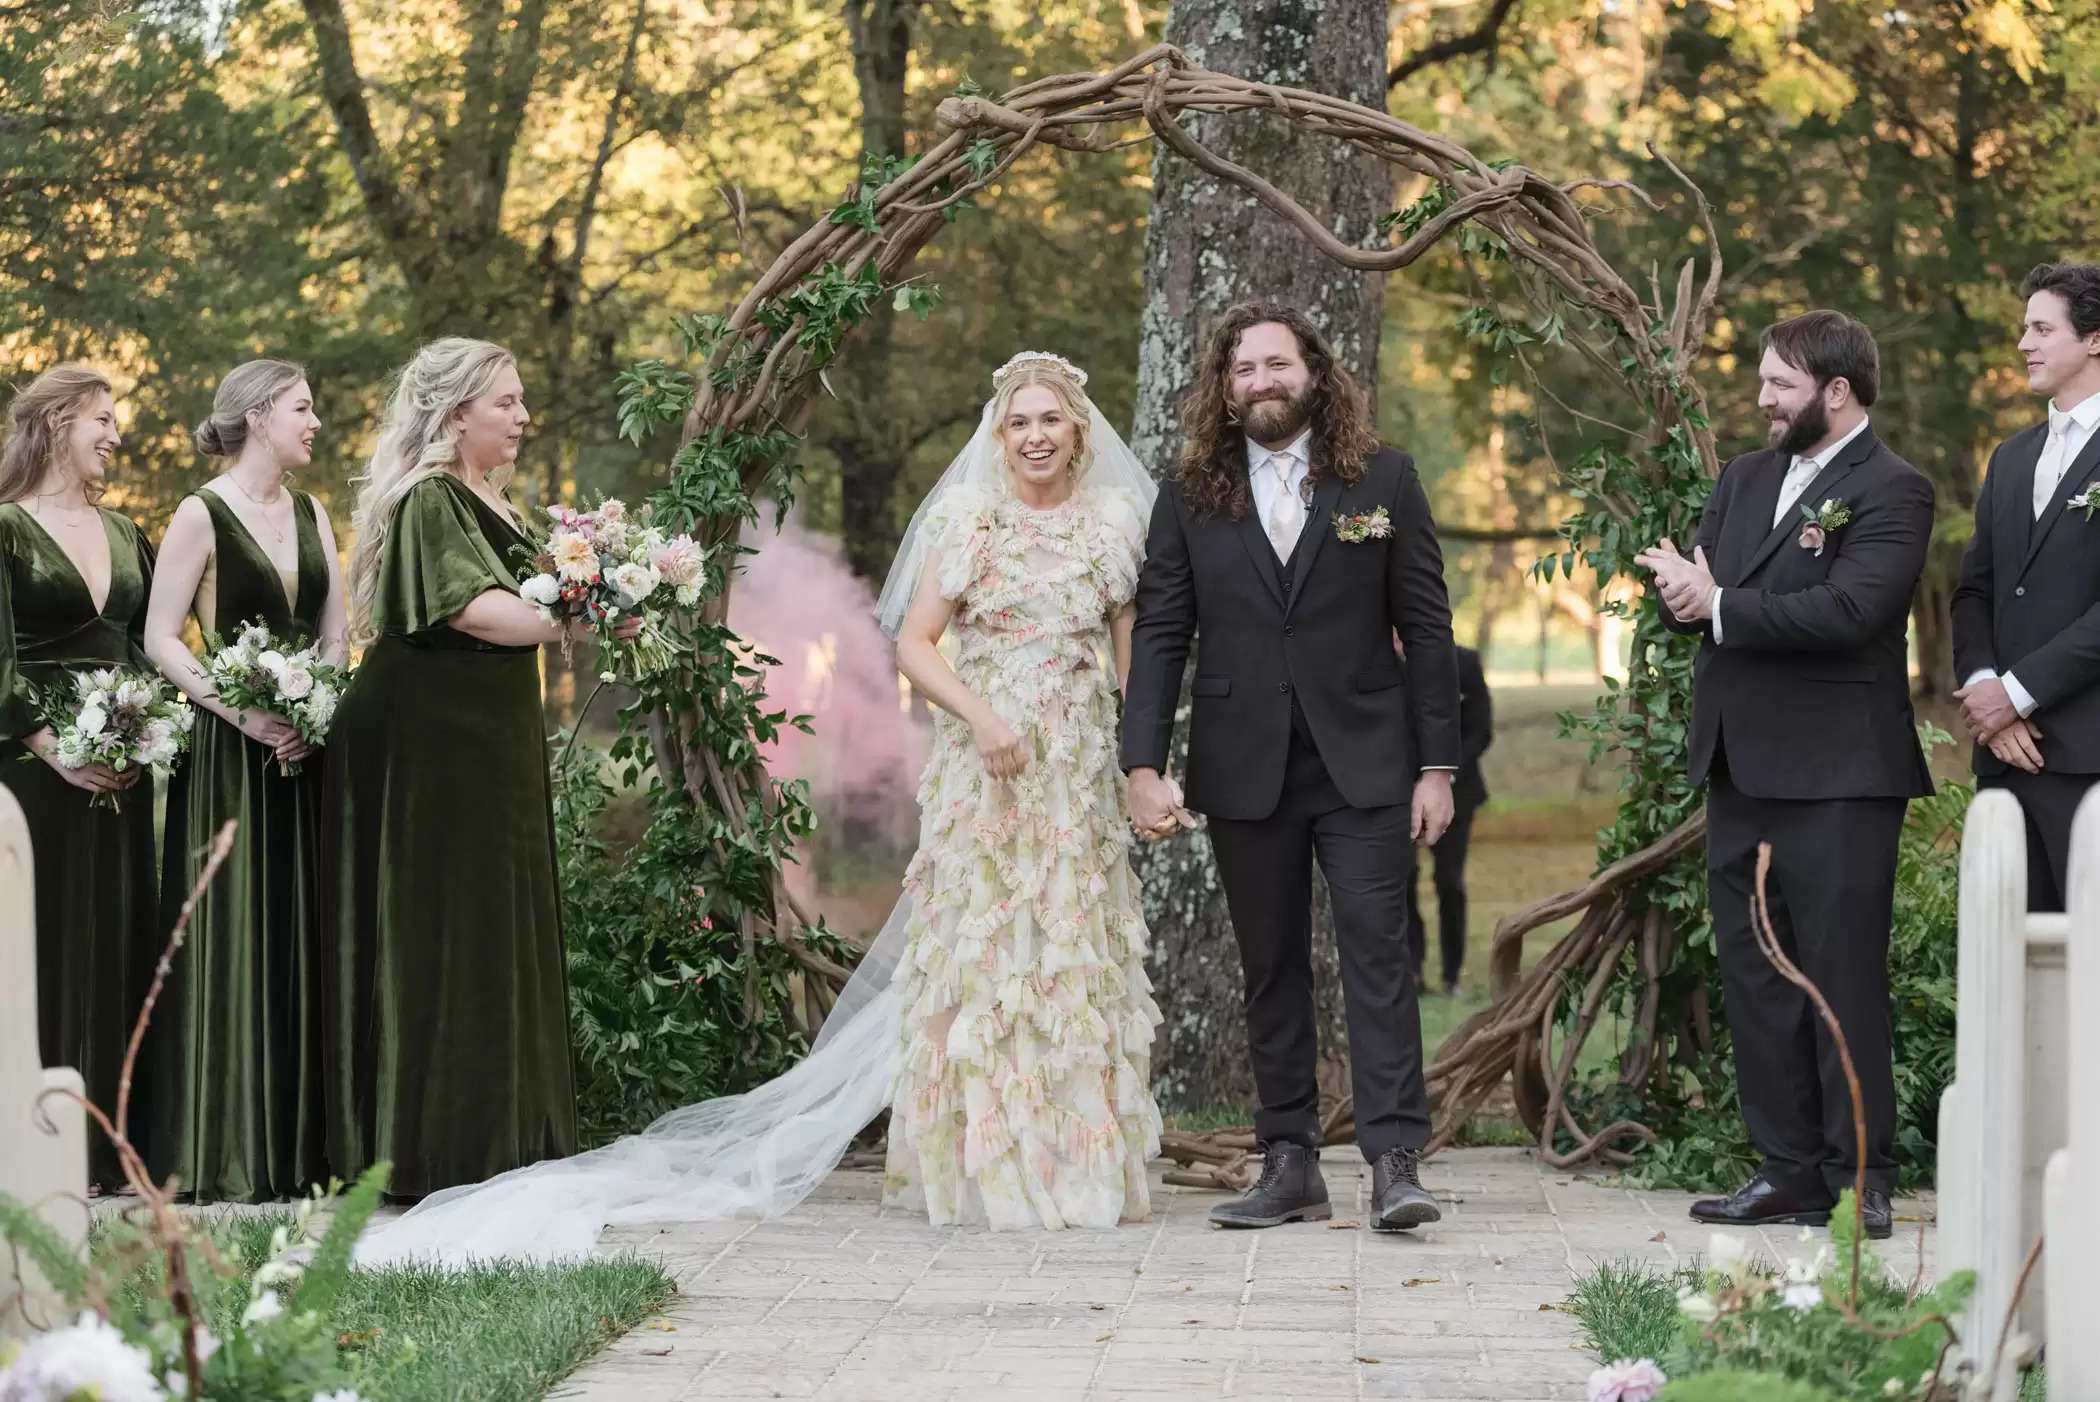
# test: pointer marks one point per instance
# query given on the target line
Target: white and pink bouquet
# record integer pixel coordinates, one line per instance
(258, 671)
(119, 717)
(606, 565)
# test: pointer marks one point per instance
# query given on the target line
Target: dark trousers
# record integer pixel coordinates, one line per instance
(2049, 802)
(1447, 862)
(1830, 893)
(1266, 868)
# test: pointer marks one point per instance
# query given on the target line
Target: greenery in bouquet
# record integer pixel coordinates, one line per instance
(259, 671)
(607, 564)
(120, 717)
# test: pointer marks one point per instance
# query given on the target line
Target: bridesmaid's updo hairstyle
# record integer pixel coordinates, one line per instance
(417, 441)
(251, 387)
(37, 419)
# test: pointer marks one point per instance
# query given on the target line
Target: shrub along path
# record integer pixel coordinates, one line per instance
(845, 1301)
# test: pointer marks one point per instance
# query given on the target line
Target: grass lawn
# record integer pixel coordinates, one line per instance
(492, 1334)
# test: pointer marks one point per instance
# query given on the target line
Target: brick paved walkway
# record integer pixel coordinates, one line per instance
(844, 1301)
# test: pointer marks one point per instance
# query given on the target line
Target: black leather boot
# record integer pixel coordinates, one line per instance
(1398, 1199)
(1290, 1190)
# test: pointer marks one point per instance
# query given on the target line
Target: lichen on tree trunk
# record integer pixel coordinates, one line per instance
(1208, 245)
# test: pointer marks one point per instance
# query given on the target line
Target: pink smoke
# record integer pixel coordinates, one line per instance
(798, 601)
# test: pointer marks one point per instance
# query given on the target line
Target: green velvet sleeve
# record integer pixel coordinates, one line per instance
(136, 630)
(17, 716)
(437, 561)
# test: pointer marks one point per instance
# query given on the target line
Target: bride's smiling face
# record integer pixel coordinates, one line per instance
(1040, 436)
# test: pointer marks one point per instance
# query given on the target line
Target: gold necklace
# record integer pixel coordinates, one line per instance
(261, 510)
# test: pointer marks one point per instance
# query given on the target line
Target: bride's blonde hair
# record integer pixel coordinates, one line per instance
(417, 441)
(1058, 376)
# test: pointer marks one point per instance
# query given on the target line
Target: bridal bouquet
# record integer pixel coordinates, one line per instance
(119, 717)
(260, 672)
(605, 565)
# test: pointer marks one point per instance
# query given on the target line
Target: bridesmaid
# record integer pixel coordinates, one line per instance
(238, 1120)
(73, 584)
(448, 1049)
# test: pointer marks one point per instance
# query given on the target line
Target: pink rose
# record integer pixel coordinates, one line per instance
(1812, 537)
(1628, 1380)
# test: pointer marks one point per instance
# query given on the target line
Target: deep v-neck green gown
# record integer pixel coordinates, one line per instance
(97, 917)
(239, 1117)
(447, 1050)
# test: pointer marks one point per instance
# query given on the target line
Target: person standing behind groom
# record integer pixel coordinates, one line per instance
(1476, 731)
(1294, 545)
(2027, 610)
(1803, 733)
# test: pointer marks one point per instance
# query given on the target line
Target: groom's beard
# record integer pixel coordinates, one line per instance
(1803, 431)
(1277, 419)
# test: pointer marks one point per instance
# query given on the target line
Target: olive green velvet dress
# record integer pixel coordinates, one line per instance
(447, 1050)
(98, 930)
(240, 1118)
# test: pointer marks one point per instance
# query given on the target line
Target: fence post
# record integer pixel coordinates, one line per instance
(43, 1139)
(2069, 1210)
(1982, 1113)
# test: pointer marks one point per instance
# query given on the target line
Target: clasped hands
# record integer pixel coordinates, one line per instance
(1994, 723)
(1687, 586)
(1157, 808)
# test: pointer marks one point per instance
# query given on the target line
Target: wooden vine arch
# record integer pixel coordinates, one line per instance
(1648, 343)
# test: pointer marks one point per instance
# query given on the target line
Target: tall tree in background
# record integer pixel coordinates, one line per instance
(1207, 246)
(864, 430)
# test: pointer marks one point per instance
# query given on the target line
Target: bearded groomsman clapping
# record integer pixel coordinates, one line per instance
(2027, 610)
(1799, 587)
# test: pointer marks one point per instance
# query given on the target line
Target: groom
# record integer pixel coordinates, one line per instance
(1295, 546)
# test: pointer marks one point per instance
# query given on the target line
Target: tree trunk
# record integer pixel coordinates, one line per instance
(1207, 246)
(863, 431)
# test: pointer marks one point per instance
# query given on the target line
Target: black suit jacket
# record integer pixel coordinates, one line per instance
(1476, 729)
(2029, 601)
(1320, 634)
(1808, 693)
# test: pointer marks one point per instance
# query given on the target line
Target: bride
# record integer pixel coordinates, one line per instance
(1003, 1014)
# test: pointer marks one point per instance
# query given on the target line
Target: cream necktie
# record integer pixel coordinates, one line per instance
(2049, 468)
(1286, 512)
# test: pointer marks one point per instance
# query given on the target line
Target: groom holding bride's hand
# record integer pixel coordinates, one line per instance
(1297, 547)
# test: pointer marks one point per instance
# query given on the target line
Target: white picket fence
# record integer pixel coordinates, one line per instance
(2019, 1155)
(43, 1146)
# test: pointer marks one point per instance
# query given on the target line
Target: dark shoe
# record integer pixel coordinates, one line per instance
(1398, 1199)
(1290, 1190)
(1761, 1201)
(1877, 1215)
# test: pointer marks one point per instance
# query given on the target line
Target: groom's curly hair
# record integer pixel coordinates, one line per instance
(1213, 471)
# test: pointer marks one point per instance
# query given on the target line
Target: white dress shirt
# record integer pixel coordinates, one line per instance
(2070, 430)
(1262, 481)
(1799, 474)
(1262, 474)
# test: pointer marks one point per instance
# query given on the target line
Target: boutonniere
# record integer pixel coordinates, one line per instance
(1818, 525)
(2088, 500)
(1370, 525)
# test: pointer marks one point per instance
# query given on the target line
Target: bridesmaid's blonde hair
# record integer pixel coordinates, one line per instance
(37, 420)
(250, 387)
(417, 441)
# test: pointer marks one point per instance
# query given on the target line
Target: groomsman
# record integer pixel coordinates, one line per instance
(2027, 610)
(1476, 730)
(1799, 587)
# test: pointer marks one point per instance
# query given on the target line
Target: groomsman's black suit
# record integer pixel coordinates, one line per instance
(1307, 737)
(1476, 731)
(1803, 732)
(2029, 604)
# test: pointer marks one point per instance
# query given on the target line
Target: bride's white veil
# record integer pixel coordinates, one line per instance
(760, 1153)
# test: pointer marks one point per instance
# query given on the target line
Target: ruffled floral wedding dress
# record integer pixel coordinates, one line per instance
(1022, 1098)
